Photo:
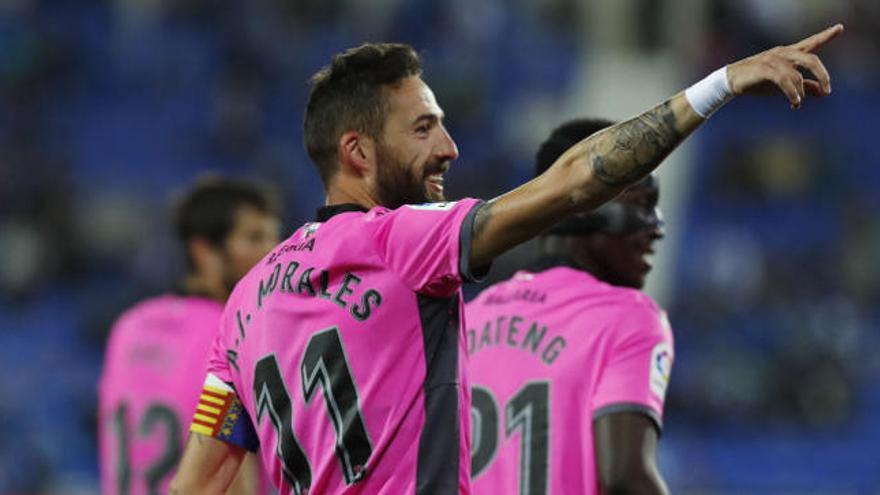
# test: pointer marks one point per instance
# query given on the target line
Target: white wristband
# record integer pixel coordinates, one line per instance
(710, 94)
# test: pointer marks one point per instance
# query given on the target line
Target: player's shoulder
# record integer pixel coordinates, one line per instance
(418, 212)
(638, 317)
(136, 322)
(536, 286)
(502, 291)
(627, 306)
(336, 228)
(348, 221)
(146, 308)
(633, 300)
(158, 310)
(576, 286)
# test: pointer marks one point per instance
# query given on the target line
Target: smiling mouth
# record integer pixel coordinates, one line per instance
(434, 183)
(646, 257)
(434, 178)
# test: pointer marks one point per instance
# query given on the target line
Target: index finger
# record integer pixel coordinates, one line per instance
(819, 39)
(815, 66)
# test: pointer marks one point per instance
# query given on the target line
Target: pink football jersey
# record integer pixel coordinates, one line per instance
(149, 388)
(550, 352)
(343, 353)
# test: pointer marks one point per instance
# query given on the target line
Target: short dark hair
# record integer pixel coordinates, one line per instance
(208, 209)
(564, 137)
(347, 96)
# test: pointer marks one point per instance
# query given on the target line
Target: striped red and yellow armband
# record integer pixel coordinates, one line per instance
(220, 414)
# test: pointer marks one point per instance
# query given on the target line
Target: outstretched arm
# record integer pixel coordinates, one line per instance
(601, 166)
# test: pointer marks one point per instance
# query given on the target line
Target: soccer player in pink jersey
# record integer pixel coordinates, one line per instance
(569, 360)
(364, 304)
(158, 350)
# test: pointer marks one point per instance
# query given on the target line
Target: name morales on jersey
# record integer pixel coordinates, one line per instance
(511, 332)
(312, 281)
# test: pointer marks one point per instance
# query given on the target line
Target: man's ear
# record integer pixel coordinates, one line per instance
(357, 152)
(203, 254)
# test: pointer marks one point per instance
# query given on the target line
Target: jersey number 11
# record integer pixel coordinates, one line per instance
(324, 363)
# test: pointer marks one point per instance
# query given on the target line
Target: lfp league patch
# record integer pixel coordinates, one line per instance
(661, 368)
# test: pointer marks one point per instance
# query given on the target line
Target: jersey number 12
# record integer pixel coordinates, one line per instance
(157, 416)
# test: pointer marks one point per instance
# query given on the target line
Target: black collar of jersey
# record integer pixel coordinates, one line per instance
(327, 212)
(549, 261)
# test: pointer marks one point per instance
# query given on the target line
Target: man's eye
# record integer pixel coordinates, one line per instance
(422, 129)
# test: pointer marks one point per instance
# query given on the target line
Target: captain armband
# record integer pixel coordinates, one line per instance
(221, 415)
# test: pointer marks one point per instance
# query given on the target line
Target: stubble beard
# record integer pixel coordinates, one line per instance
(398, 184)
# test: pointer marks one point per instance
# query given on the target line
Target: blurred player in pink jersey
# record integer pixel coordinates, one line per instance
(158, 349)
(569, 360)
(364, 304)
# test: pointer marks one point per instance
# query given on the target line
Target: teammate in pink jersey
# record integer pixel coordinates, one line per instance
(158, 349)
(364, 305)
(569, 361)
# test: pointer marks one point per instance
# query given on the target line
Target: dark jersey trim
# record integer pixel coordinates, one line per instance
(437, 471)
(468, 273)
(325, 213)
(630, 407)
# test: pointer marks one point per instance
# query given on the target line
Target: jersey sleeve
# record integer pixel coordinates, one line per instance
(428, 245)
(219, 411)
(218, 359)
(638, 364)
(220, 414)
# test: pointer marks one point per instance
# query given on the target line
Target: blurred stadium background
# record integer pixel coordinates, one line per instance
(770, 272)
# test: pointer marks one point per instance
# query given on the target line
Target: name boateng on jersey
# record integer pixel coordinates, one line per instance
(550, 352)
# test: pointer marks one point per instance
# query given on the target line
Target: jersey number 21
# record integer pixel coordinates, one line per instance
(527, 411)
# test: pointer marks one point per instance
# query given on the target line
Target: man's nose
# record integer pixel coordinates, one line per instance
(447, 149)
(658, 229)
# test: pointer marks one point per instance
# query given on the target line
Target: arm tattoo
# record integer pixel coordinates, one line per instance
(632, 149)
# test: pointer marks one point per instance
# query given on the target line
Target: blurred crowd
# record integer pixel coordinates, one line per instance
(778, 278)
(107, 108)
